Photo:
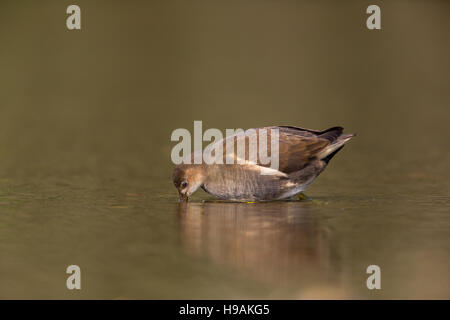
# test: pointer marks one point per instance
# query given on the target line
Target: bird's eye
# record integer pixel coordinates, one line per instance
(184, 184)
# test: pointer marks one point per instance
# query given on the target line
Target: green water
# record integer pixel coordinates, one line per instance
(85, 169)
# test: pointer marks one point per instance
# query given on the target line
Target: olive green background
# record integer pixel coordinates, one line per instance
(85, 169)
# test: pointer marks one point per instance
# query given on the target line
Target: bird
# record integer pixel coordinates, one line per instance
(302, 155)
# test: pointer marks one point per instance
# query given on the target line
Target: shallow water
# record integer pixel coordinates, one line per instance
(85, 170)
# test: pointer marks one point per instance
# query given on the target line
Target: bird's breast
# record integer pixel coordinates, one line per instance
(237, 182)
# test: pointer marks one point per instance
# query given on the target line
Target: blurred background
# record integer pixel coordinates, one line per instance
(85, 170)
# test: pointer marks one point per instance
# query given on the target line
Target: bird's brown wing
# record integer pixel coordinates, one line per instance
(297, 147)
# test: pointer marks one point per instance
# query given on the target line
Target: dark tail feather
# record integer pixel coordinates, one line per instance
(331, 134)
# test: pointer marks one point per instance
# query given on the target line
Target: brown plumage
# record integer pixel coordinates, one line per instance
(303, 155)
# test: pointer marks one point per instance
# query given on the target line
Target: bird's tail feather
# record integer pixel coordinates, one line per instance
(330, 151)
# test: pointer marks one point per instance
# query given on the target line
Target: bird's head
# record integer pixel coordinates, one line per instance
(187, 179)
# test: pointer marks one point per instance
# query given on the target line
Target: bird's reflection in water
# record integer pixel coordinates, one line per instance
(280, 244)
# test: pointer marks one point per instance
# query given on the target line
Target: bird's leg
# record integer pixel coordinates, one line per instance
(303, 196)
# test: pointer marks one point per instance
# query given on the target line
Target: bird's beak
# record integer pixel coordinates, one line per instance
(183, 198)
